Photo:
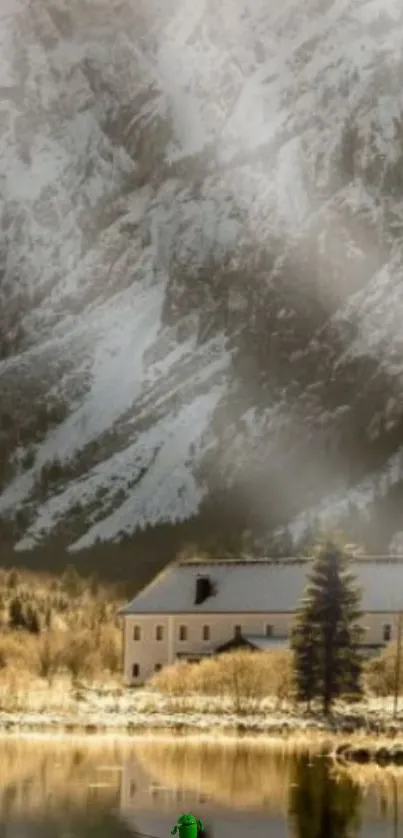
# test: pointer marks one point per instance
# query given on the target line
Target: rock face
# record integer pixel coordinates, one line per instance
(200, 267)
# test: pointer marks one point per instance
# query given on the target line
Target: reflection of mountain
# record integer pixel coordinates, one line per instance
(241, 776)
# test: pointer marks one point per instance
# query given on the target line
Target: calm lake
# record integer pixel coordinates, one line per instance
(104, 789)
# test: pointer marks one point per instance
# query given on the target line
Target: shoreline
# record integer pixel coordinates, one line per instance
(368, 731)
(357, 746)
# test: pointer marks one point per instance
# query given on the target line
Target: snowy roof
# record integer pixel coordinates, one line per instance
(261, 586)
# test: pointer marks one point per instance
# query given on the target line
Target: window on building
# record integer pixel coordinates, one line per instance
(183, 633)
(157, 667)
(206, 632)
(159, 633)
(387, 632)
(133, 789)
(135, 670)
(268, 630)
(237, 631)
(136, 633)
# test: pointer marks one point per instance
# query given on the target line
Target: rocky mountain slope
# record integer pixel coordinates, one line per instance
(201, 259)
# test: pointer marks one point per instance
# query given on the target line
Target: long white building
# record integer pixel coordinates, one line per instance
(198, 608)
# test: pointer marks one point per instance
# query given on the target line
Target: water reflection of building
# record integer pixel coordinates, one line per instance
(139, 792)
(151, 809)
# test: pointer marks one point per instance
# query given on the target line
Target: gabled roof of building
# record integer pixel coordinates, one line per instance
(253, 641)
(260, 642)
(261, 586)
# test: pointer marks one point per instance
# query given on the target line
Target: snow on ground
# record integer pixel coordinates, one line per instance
(292, 198)
(118, 349)
(332, 509)
(123, 333)
(161, 459)
(8, 10)
(378, 313)
(107, 710)
(169, 490)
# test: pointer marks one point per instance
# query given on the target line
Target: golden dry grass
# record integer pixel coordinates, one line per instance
(52, 627)
(248, 681)
(380, 673)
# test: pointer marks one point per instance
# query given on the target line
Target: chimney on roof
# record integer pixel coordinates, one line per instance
(204, 589)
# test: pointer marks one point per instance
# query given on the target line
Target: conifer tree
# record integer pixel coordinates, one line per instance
(327, 630)
(306, 658)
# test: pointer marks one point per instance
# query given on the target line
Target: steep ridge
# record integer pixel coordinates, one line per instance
(201, 253)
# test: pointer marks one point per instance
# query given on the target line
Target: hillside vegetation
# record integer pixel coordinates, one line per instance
(58, 626)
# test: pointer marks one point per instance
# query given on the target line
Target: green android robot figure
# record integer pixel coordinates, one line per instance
(188, 826)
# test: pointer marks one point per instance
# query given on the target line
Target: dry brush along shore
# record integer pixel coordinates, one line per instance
(368, 732)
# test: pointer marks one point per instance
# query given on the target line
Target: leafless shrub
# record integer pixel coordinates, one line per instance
(243, 677)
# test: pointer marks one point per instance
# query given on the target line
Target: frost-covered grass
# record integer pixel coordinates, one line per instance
(111, 708)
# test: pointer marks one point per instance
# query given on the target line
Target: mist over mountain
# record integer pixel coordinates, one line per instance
(201, 255)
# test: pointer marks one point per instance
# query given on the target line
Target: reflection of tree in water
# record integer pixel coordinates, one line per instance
(34, 777)
(320, 805)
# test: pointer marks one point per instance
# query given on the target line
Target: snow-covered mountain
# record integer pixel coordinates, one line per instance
(201, 263)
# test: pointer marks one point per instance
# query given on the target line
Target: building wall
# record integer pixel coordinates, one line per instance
(374, 625)
(140, 793)
(148, 652)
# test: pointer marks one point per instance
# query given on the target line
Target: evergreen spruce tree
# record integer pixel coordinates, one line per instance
(327, 630)
(306, 659)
